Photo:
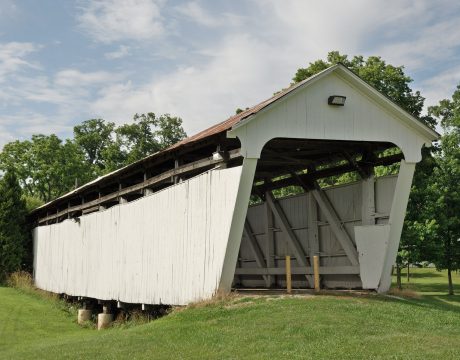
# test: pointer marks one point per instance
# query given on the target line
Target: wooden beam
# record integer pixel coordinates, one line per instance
(368, 201)
(287, 263)
(312, 219)
(286, 228)
(90, 210)
(323, 173)
(323, 270)
(316, 272)
(155, 180)
(269, 241)
(332, 218)
(360, 170)
(336, 225)
(255, 248)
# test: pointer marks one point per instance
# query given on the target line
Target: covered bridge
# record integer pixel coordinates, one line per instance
(205, 214)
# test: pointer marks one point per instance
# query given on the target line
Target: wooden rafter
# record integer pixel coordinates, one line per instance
(323, 173)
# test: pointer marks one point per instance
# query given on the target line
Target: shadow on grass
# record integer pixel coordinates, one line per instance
(431, 288)
(420, 275)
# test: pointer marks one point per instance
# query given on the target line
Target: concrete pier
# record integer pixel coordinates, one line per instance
(104, 319)
(83, 315)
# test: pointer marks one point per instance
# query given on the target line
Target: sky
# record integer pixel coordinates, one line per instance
(63, 62)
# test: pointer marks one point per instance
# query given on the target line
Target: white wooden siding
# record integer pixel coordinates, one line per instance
(166, 248)
(305, 114)
(346, 199)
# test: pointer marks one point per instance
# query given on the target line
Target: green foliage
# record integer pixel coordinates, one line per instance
(48, 167)
(14, 237)
(108, 147)
(32, 202)
(147, 135)
(444, 195)
(94, 136)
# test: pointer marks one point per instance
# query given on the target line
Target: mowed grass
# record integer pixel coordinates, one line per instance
(317, 327)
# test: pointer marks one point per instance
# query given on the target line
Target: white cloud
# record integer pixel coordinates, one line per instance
(246, 66)
(195, 12)
(119, 102)
(441, 86)
(13, 57)
(76, 78)
(235, 76)
(114, 20)
(434, 42)
(121, 52)
(22, 125)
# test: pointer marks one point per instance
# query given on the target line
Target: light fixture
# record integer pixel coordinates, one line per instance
(336, 100)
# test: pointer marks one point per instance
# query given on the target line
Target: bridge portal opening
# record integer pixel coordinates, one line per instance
(307, 198)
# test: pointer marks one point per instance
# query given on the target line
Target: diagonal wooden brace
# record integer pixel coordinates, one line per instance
(292, 238)
(254, 245)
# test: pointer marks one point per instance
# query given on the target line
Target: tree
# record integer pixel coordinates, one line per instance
(445, 187)
(46, 166)
(94, 136)
(147, 135)
(170, 130)
(14, 237)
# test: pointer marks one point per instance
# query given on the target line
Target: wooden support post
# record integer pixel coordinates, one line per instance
(396, 221)
(335, 224)
(292, 239)
(316, 272)
(101, 207)
(147, 191)
(121, 199)
(177, 164)
(221, 154)
(236, 228)
(331, 216)
(313, 236)
(368, 200)
(288, 274)
(239, 266)
(269, 243)
(254, 245)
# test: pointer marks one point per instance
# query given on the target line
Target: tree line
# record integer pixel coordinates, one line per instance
(45, 166)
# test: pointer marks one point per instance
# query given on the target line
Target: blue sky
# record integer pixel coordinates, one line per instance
(62, 62)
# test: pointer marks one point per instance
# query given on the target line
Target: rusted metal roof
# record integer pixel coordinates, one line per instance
(231, 121)
(202, 135)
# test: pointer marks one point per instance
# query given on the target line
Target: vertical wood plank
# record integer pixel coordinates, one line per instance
(270, 243)
(313, 235)
(368, 200)
(288, 274)
(316, 272)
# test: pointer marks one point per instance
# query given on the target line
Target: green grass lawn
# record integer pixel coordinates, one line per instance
(317, 327)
